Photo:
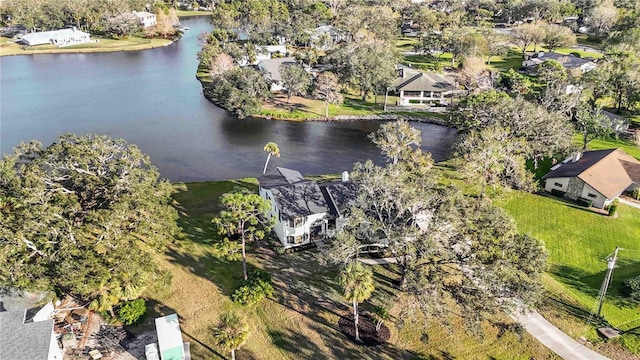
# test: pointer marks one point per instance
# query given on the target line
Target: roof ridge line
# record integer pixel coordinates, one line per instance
(410, 80)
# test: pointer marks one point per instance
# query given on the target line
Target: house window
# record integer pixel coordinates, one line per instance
(297, 222)
(413, 93)
(296, 239)
(593, 196)
(557, 185)
(436, 94)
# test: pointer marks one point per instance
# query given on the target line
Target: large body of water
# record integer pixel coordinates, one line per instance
(152, 99)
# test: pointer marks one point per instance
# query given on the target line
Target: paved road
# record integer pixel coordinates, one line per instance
(587, 48)
(549, 335)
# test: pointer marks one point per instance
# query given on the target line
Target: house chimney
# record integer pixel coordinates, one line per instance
(576, 157)
(345, 176)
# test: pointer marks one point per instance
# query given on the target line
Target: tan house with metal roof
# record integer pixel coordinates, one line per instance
(599, 176)
(420, 88)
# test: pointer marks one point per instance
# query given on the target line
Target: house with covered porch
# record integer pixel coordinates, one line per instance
(417, 88)
(304, 211)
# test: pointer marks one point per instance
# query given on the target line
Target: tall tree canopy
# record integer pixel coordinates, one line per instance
(243, 216)
(82, 216)
(327, 89)
(456, 254)
(546, 133)
(368, 65)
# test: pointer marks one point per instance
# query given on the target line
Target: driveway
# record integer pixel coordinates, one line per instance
(551, 337)
(629, 202)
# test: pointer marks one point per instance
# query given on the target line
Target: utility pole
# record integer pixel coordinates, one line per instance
(611, 263)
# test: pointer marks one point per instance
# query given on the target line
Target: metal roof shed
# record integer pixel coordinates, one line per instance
(170, 338)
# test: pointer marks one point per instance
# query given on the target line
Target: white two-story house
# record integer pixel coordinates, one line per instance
(147, 19)
(304, 211)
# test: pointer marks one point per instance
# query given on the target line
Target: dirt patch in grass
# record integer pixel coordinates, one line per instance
(367, 329)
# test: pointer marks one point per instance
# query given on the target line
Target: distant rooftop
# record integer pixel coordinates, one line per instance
(272, 66)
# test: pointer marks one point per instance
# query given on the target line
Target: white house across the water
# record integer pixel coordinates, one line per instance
(63, 37)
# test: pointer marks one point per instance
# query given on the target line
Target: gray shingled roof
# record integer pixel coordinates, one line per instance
(568, 61)
(419, 81)
(299, 199)
(278, 177)
(339, 196)
(23, 341)
(272, 66)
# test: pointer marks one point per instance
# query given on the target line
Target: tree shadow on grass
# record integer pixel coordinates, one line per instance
(296, 343)
(590, 285)
(225, 274)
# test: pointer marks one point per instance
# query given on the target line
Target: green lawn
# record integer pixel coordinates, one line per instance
(511, 60)
(428, 62)
(589, 41)
(300, 320)
(578, 243)
(406, 44)
(187, 13)
(599, 144)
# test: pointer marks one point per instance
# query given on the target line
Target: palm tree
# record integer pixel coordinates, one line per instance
(232, 333)
(356, 281)
(272, 149)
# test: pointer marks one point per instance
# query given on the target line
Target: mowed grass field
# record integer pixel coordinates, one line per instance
(300, 320)
(578, 243)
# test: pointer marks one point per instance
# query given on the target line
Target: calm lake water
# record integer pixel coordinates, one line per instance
(152, 99)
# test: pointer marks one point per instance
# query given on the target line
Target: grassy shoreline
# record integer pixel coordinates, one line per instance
(9, 48)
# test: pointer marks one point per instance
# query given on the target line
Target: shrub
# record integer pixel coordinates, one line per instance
(636, 193)
(613, 208)
(257, 287)
(584, 202)
(632, 287)
(558, 193)
(132, 311)
(576, 54)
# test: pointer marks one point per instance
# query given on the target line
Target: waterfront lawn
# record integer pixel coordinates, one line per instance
(9, 47)
(300, 320)
(190, 13)
(307, 108)
(578, 243)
